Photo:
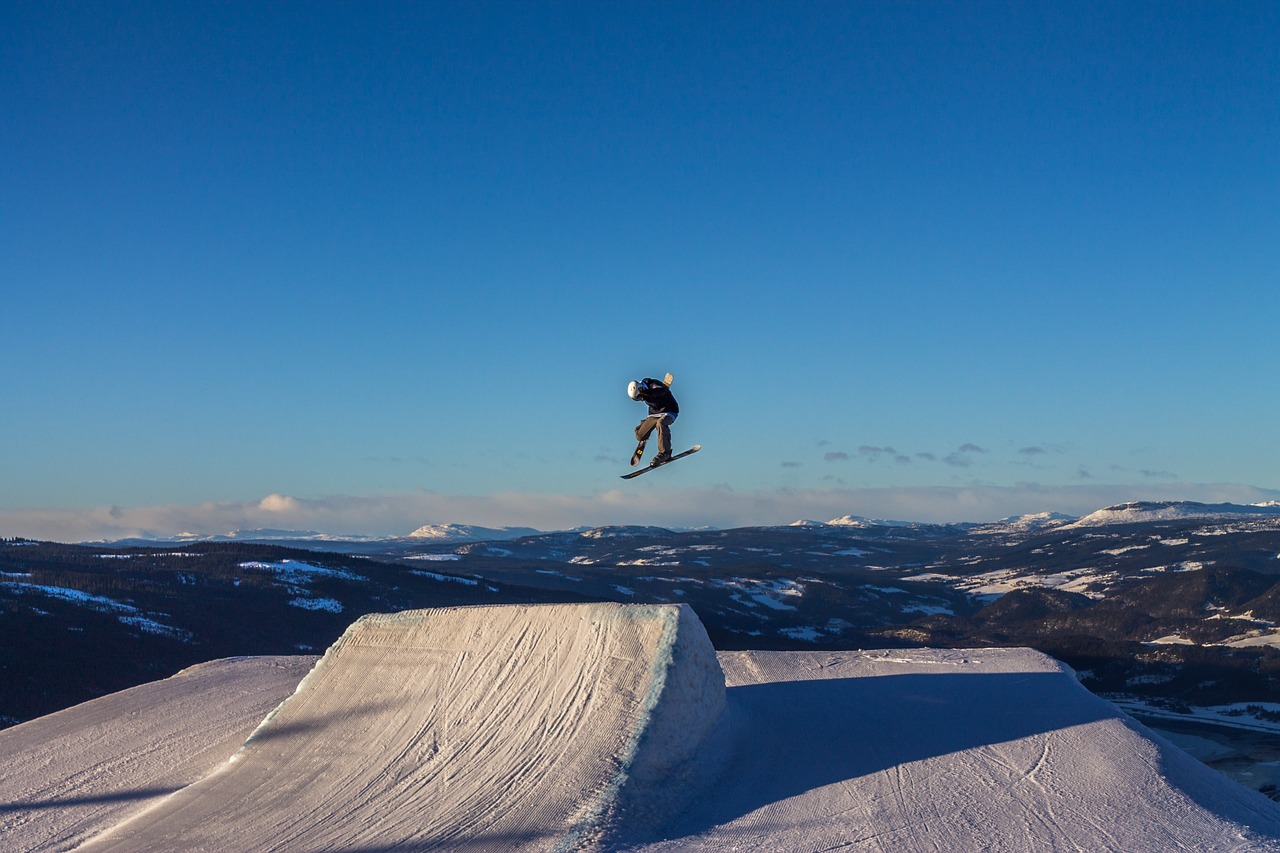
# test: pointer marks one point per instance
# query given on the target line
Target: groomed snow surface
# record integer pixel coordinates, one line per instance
(610, 727)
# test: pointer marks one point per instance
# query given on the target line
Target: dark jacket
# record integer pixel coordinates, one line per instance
(659, 397)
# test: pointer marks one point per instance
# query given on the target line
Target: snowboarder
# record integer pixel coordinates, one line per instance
(663, 411)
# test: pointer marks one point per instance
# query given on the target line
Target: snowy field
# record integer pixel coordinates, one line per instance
(611, 727)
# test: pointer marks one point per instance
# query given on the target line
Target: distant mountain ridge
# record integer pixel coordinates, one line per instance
(470, 533)
(1133, 512)
(1137, 512)
(256, 535)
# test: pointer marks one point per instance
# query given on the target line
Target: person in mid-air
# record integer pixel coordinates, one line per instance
(663, 410)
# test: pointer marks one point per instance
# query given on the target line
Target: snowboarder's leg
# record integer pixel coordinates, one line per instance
(664, 439)
(642, 435)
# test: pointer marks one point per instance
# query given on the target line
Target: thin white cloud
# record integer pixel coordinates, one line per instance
(399, 514)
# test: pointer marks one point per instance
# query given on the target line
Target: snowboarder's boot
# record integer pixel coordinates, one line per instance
(661, 459)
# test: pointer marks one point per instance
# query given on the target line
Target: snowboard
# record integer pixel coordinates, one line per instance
(650, 467)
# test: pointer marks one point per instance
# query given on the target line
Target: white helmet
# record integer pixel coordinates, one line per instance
(633, 390)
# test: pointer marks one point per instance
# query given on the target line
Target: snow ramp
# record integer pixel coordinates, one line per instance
(476, 728)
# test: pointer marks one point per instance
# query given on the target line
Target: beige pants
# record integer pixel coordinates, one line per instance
(662, 423)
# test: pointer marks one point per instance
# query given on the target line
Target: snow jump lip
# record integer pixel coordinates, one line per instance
(478, 727)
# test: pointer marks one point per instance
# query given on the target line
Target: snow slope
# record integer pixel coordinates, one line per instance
(68, 776)
(971, 750)
(615, 727)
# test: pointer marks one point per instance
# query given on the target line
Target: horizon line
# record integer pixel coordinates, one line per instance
(716, 507)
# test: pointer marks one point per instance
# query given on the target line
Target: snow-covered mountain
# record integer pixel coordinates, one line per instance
(1138, 512)
(859, 521)
(468, 533)
(856, 522)
(1133, 512)
(624, 532)
(1025, 523)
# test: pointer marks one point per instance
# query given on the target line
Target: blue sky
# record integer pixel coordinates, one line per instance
(946, 260)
